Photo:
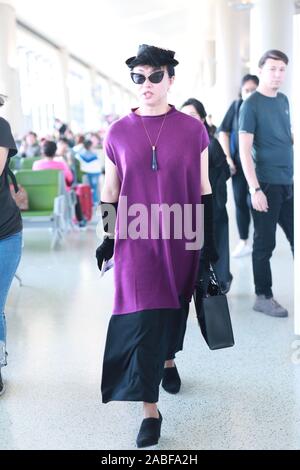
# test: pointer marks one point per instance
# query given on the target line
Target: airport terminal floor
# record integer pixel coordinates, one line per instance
(246, 397)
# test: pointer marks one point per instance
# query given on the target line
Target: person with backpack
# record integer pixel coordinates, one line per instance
(90, 164)
(229, 139)
(10, 231)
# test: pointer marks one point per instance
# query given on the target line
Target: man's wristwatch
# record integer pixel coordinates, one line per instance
(253, 190)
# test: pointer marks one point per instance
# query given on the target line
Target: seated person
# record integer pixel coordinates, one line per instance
(30, 146)
(64, 152)
(48, 163)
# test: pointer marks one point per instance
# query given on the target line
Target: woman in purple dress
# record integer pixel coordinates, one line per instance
(156, 173)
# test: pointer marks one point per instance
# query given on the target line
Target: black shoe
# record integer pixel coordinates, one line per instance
(2, 386)
(171, 381)
(149, 433)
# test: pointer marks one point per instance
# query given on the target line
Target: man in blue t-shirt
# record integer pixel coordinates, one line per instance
(266, 151)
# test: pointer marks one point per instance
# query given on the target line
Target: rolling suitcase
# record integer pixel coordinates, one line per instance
(84, 193)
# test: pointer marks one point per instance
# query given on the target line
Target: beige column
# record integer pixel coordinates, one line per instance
(272, 28)
(9, 77)
(229, 65)
(65, 112)
(93, 115)
(208, 75)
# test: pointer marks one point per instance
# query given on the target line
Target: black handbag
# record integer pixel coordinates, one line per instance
(212, 311)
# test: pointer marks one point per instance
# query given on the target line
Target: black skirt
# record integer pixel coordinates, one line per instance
(137, 346)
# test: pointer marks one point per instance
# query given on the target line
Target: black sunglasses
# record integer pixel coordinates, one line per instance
(155, 77)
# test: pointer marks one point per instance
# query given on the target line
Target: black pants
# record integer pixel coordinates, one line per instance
(281, 211)
(78, 210)
(137, 346)
(241, 199)
(221, 232)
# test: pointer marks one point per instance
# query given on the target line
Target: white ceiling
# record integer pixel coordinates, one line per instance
(105, 33)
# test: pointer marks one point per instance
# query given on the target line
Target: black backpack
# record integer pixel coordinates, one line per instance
(234, 135)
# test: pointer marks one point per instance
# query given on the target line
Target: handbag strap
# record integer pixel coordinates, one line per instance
(208, 282)
(14, 180)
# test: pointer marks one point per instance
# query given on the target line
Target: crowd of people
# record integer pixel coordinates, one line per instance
(80, 157)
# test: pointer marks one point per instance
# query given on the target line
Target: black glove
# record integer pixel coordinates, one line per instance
(106, 250)
(208, 253)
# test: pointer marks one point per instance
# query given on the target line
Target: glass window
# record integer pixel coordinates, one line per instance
(39, 72)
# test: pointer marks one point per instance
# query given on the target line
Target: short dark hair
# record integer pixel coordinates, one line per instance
(197, 105)
(87, 144)
(49, 148)
(250, 78)
(63, 140)
(273, 54)
(171, 70)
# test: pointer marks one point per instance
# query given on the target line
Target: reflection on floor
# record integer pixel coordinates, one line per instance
(247, 397)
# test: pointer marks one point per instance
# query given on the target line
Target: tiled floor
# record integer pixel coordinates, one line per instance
(247, 397)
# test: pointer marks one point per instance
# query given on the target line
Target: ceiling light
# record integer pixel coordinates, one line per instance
(241, 4)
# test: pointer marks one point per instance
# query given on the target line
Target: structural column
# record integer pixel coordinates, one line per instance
(9, 77)
(272, 28)
(65, 112)
(229, 66)
(208, 63)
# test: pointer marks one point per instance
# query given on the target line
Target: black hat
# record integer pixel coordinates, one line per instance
(151, 55)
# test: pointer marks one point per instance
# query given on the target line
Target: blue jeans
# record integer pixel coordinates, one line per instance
(10, 255)
(94, 184)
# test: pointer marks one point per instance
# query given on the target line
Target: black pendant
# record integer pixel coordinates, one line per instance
(154, 159)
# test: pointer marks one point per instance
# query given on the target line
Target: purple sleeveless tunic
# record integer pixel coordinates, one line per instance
(153, 273)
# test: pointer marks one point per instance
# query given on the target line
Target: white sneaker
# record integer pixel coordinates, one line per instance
(242, 249)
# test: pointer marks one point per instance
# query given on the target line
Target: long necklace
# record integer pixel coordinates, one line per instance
(154, 147)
